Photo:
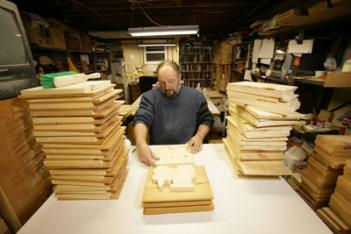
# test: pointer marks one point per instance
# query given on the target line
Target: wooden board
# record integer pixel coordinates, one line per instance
(97, 139)
(257, 145)
(246, 116)
(251, 132)
(94, 195)
(84, 164)
(202, 190)
(341, 206)
(96, 99)
(108, 157)
(89, 88)
(101, 113)
(338, 79)
(334, 142)
(333, 162)
(260, 114)
(175, 204)
(77, 127)
(253, 154)
(343, 185)
(333, 221)
(107, 144)
(263, 168)
(270, 90)
(178, 209)
(275, 107)
(106, 179)
(73, 120)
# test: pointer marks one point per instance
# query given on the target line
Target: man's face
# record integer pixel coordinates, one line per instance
(169, 81)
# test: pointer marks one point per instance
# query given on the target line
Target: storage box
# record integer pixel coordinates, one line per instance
(86, 42)
(73, 40)
(57, 36)
(37, 33)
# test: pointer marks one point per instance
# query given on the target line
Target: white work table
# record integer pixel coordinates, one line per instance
(242, 205)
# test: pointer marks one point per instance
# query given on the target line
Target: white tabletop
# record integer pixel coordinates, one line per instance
(242, 205)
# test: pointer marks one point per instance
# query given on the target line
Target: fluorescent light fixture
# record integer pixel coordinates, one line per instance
(153, 45)
(164, 30)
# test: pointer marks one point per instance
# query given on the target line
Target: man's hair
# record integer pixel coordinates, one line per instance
(172, 64)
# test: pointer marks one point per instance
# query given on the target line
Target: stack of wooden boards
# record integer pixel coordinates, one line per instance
(80, 130)
(338, 215)
(24, 183)
(163, 200)
(261, 117)
(323, 168)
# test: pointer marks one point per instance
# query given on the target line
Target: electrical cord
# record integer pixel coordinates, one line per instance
(147, 16)
(95, 12)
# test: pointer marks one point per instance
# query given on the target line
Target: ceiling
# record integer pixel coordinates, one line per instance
(216, 18)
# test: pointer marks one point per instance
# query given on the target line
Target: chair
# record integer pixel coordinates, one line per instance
(146, 82)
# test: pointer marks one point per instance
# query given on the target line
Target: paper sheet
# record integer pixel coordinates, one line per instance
(267, 48)
(247, 75)
(305, 48)
(256, 50)
(266, 61)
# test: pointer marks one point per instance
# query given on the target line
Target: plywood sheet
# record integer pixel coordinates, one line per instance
(96, 99)
(263, 168)
(264, 89)
(178, 209)
(333, 143)
(202, 190)
(89, 88)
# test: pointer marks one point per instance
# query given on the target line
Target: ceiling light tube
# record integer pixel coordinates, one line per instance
(164, 30)
(153, 45)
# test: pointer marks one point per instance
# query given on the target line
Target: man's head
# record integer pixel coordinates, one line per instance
(168, 74)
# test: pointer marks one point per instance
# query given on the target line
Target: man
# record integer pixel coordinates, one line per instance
(171, 114)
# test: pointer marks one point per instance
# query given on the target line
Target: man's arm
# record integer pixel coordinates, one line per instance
(205, 121)
(142, 121)
(195, 143)
(144, 152)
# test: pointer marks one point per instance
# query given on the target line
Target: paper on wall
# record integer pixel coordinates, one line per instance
(266, 61)
(247, 75)
(256, 50)
(305, 48)
(267, 48)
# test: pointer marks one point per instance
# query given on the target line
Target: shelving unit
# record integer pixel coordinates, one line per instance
(98, 60)
(196, 65)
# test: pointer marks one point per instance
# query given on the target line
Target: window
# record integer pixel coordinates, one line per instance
(154, 54)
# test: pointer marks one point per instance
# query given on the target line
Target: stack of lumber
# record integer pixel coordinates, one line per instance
(80, 130)
(338, 215)
(261, 117)
(323, 168)
(176, 193)
(24, 183)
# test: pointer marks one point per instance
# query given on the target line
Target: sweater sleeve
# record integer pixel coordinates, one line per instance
(204, 115)
(145, 113)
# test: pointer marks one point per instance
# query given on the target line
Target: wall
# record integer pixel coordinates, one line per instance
(134, 56)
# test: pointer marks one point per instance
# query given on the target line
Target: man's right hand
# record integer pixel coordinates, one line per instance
(146, 155)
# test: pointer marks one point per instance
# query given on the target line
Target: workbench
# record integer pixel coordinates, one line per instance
(242, 205)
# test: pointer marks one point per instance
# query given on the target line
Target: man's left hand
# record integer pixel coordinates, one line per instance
(194, 144)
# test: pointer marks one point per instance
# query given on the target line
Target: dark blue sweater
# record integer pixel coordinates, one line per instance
(173, 120)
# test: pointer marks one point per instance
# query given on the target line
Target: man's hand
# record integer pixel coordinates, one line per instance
(194, 144)
(146, 155)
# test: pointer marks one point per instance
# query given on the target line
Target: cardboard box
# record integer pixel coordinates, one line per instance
(73, 40)
(37, 33)
(57, 36)
(86, 42)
